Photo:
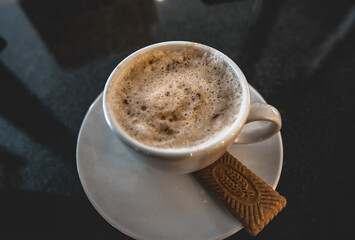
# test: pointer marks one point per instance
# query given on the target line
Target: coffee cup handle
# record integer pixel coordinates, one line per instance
(260, 112)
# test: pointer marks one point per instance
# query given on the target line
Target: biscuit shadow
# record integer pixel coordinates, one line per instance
(23, 109)
(82, 31)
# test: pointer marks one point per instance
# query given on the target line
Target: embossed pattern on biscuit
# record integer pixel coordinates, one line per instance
(245, 195)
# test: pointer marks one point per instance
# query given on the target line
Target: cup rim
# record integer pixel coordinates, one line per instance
(223, 139)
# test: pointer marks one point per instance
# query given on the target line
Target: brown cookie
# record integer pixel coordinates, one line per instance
(245, 195)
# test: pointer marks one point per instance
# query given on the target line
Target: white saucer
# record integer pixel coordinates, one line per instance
(145, 203)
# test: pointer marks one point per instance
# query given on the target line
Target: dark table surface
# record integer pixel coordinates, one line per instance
(55, 59)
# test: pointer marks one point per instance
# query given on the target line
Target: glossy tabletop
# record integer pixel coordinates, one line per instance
(55, 57)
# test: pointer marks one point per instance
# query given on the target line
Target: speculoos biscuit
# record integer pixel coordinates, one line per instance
(247, 197)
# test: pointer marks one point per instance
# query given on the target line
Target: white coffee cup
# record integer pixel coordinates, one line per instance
(190, 159)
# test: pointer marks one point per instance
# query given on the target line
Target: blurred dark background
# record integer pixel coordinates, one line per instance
(55, 57)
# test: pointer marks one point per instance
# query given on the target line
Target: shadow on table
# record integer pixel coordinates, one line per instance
(39, 215)
(82, 31)
(22, 109)
(9, 166)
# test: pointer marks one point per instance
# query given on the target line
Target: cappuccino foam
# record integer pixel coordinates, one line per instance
(175, 99)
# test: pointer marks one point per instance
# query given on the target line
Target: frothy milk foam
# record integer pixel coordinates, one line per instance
(175, 99)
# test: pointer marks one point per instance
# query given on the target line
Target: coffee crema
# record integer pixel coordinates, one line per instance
(175, 98)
